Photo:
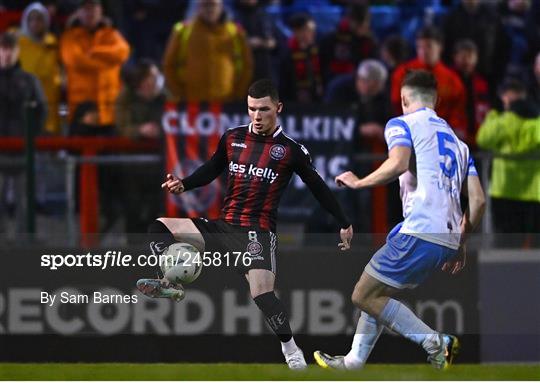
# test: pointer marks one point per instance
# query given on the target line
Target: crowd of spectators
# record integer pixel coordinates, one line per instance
(115, 63)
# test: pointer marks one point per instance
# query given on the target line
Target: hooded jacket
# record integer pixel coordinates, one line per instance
(40, 57)
(512, 134)
(207, 63)
(19, 89)
(93, 61)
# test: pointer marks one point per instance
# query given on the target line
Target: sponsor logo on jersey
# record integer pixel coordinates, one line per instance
(277, 152)
(254, 248)
(253, 171)
(395, 131)
(239, 145)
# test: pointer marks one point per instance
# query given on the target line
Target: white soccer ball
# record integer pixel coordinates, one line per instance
(181, 263)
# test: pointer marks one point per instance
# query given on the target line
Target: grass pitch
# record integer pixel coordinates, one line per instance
(230, 371)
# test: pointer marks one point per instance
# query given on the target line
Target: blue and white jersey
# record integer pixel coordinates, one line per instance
(430, 189)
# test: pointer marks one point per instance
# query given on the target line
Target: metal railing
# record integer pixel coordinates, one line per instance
(71, 163)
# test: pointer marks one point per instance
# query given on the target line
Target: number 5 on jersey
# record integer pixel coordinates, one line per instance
(448, 154)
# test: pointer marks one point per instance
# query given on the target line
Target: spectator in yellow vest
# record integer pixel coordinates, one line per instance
(513, 134)
(208, 58)
(39, 56)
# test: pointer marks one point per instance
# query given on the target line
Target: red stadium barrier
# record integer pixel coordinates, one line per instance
(9, 19)
(88, 177)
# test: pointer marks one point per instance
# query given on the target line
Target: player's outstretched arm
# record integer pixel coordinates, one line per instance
(173, 184)
(328, 201)
(205, 173)
(477, 205)
(470, 220)
(346, 238)
(304, 168)
(395, 165)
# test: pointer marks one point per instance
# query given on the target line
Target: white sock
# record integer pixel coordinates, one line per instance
(367, 333)
(402, 320)
(431, 344)
(289, 347)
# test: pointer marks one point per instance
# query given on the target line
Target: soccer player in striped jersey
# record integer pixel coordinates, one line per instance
(432, 234)
(260, 160)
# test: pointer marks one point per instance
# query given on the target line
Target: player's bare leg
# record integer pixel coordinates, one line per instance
(261, 287)
(163, 233)
(184, 230)
(374, 298)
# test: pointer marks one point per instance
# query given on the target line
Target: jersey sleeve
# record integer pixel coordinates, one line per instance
(211, 169)
(471, 168)
(303, 164)
(307, 172)
(397, 133)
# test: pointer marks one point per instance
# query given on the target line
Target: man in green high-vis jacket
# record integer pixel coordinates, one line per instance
(514, 136)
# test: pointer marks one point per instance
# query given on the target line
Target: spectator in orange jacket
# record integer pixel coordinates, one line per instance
(93, 53)
(452, 98)
(208, 58)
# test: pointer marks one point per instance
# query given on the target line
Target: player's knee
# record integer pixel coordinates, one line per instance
(159, 237)
(158, 227)
(358, 298)
(259, 289)
(265, 300)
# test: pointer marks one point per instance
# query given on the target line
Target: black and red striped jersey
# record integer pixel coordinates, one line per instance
(259, 169)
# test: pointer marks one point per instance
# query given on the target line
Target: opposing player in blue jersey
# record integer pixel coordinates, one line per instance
(434, 167)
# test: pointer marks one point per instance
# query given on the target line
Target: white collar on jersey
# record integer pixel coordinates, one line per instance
(276, 133)
(424, 108)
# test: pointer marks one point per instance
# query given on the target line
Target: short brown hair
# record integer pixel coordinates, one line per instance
(8, 40)
(423, 84)
(430, 33)
(263, 88)
(465, 45)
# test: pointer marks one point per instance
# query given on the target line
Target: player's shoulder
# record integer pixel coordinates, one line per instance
(418, 117)
(296, 146)
(402, 121)
(241, 129)
(463, 145)
(398, 127)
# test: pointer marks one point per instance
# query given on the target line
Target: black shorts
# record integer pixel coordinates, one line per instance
(257, 248)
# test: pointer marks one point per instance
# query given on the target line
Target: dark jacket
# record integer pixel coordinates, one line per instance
(485, 28)
(132, 111)
(256, 23)
(17, 89)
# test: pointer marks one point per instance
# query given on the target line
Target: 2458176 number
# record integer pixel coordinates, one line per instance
(217, 259)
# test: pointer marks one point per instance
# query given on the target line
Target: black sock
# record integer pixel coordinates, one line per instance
(275, 314)
(159, 237)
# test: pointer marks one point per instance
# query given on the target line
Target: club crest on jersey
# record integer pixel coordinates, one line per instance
(254, 248)
(277, 152)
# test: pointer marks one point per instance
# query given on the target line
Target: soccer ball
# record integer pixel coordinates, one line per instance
(181, 263)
